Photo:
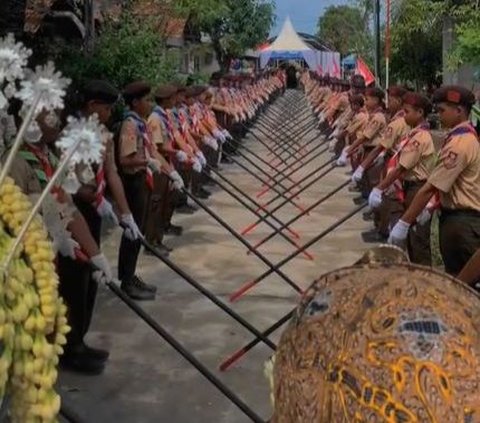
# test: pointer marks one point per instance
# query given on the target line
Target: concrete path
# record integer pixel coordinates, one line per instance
(148, 382)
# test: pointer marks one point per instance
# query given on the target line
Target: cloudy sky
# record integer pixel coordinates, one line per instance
(304, 13)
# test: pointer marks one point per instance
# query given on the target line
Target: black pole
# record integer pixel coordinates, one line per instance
(280, 264)
(186, 354)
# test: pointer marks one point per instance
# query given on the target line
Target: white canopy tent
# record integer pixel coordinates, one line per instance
(290, 46)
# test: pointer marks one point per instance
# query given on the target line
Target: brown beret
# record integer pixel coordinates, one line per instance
(418, 101)
(454, 94)
(375, 92)
(358, 100)
(136, 90)
(397, 91)
(165, 91)
(100, 91)
(358, 81)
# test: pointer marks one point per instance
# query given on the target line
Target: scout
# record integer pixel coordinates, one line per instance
(409, 169)
(456, 179)
(161, 207)
(138, 161)
(32, 169)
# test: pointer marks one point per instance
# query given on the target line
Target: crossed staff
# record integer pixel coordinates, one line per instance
(284, 142)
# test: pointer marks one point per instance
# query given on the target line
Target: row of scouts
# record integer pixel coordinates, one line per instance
(156, 156)
(406, 171)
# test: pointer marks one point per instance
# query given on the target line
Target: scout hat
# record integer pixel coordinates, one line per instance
(418, 101)
(375, 92)
(100, 91)
(456, 95)
(358, 81)
(165, 91)
(136, 90)
(397, 91)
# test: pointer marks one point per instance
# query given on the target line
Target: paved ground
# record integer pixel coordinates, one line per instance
(146, 381)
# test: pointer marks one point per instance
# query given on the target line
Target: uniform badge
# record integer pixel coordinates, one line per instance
(450, 159)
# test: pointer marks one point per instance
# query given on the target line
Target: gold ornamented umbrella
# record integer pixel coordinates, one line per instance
(382, 341)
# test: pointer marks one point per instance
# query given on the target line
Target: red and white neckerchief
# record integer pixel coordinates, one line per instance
(147, 144)
(394, 161)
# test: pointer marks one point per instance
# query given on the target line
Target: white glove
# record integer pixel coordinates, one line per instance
(399, 233)
(358, 174)
(219, 136)
(321, 117)
(103, 272)
(227, 134)
(131, 231)
(197, 166)
(201, 158)
(181, 156)
(65, 245)
(342, 160)
(380, 159)
(332, 144)
(105, 210)
(375, 198)
(335, 134)
(177, 180)
(424, 216)
(211, 142)
(154, 165)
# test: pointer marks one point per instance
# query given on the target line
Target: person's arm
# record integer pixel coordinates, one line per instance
(419, 203)
(129, 156)
(81, 233)
(391, 177)
(470, 274)
(372, 156)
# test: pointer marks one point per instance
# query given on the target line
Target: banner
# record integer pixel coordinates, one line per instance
(363, 69)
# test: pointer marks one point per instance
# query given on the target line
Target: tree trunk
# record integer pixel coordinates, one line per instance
(12, 17)
(222, 58)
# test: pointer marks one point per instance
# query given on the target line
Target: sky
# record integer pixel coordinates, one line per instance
(304, 13)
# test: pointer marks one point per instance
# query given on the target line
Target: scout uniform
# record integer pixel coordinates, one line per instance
(134, 141)
(392, 207)
(32, 169)
(417, 157)
(372, 134)
(456, 178)
(161, 206)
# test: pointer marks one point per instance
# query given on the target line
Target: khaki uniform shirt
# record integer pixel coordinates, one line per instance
(358, 123)
(131, 142)
(396, 130)
(418, 157)
(155, 128)
(374, 129)
(457, 175)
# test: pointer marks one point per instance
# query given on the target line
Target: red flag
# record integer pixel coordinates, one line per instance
(363, 69)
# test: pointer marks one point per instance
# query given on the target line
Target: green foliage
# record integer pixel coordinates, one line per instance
(467, 46)
(233, 25)
(417, 41)
(125, 51)
(343, 28)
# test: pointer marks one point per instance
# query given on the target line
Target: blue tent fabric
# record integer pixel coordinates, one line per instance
(350, 61)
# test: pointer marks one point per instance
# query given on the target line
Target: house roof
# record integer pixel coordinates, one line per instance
(168, 24)
(288, 39)
(35, 13)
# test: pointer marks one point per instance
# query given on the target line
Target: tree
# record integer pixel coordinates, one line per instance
(417, 41)
(467, 29)
(233, 25)
(345, 29)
